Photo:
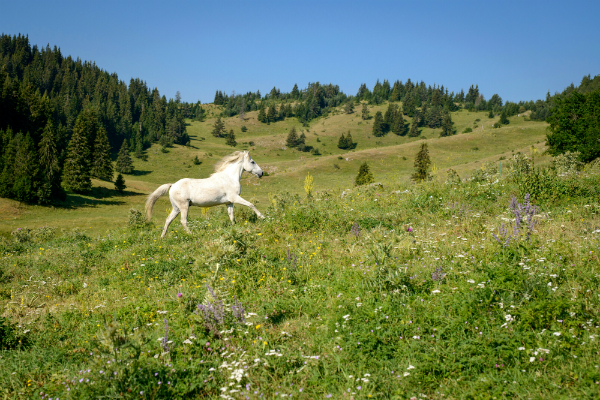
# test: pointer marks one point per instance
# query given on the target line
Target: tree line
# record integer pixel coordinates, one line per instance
(47, 101)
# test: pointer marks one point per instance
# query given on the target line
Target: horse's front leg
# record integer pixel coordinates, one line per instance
(230, 212)
(239, 200)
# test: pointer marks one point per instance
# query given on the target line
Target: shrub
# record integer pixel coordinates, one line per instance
(468, 130)
(196, 161)
(365, 176)
(43, 233)
(453, 177)
(487, 173)
(136, 218)
(22, 235)
(10, 338)
(567, 164)
(519, 165)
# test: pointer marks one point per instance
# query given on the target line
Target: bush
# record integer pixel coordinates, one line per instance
(567, 164)
(136, 218)
(243, 128)
(43, 233)
(468, 130)
(453, 177)
(365, 176)
(10, 339)
(22, 235)
(487, 173)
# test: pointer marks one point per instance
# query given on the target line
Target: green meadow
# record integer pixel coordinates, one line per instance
(390, 159)
(479, 288)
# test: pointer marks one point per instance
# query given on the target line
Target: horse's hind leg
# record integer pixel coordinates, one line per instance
(230, 212)
(184, 207)
(170, 219)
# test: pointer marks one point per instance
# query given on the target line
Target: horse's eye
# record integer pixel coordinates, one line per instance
(253, 162)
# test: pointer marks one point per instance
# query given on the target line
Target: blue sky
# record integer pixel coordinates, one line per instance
(519, 50)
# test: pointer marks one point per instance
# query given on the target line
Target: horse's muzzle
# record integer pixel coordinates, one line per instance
(260, 174)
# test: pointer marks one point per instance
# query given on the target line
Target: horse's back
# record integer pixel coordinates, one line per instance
(199, 192)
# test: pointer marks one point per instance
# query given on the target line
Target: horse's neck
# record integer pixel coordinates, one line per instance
(234, 172)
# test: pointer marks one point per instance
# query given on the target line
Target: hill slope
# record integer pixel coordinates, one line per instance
(390, 158)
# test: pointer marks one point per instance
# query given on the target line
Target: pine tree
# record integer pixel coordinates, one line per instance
(365, 176)
(77, 167)
(120, 183)
(292, 138)
(491, 114)
(124, 163)
(503, 118)
(378, 125)
(102, 167)
(434, 117)
(342, 142)
(301, 139)
(50, 187)
(422, 163)
(414, 129)
(231, 139)
(349, 143)
(219, 128)
(139, 151)
(295, 93)
(447, 126)
(408, 106)
(24, 170)
(390, 114)
(271, 114)
(398, 126)
(262, 115)
(365, 111)
(436, 99)
(349, 107)
(395, 94)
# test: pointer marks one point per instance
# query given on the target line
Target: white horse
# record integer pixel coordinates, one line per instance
(222, 187)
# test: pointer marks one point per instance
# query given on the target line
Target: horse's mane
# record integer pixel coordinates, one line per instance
(228, 160)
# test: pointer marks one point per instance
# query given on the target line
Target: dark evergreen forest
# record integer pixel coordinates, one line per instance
(42, 96)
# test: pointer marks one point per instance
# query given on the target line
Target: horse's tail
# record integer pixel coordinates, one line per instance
(164, 189)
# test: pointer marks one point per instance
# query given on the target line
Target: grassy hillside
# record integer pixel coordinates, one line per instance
(390, 157)
(397, 292)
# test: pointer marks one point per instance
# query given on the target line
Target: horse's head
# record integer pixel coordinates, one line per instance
(251, 166)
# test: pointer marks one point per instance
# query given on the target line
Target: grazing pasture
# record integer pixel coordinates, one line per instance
(438, 290)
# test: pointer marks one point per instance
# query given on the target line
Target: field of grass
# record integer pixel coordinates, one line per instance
(393, 292)
(390, 158)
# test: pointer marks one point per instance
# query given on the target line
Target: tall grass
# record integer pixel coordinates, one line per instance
(399, 291)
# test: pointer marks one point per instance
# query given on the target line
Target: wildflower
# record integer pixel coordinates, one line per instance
(409, 229)
(179, 294)
(556, 333)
